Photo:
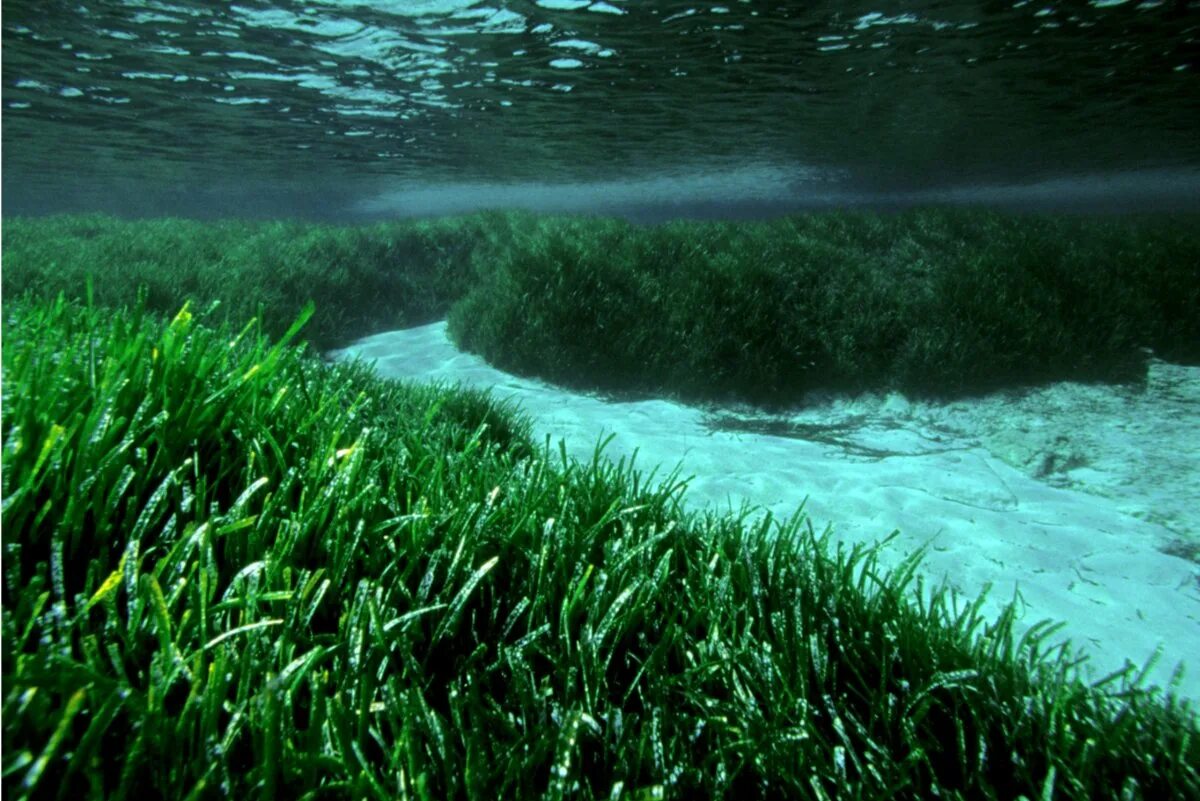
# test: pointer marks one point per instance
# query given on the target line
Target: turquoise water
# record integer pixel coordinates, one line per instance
(337, 108)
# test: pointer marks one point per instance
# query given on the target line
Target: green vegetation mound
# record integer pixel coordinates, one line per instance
(931, 302)
(368, 278)
(935, 302)
(232, 571)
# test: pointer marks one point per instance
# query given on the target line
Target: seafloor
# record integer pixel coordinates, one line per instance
(1082, 498)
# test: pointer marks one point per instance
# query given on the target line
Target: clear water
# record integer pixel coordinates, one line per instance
(346, 110)
(337, 107)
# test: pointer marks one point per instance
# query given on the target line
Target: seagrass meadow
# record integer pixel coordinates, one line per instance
(234, 569)
(935, 302)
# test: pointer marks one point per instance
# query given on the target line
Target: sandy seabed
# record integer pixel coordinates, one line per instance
(1085, 499)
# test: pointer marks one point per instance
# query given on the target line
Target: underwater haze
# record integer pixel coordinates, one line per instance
(600, 399)
(339, 109)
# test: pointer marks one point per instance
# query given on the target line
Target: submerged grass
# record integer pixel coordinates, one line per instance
(370, 278)
(232, 571)
(934, 302)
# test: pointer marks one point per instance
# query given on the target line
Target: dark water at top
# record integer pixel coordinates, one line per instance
(323, 103)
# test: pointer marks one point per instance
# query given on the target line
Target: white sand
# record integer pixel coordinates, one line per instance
(1069, 494)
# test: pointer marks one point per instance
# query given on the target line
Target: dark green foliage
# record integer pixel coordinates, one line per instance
(365, 279)
(931, 302)
(935, 302)
(232, 571)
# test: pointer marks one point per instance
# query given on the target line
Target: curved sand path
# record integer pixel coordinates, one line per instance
(1085, 499)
